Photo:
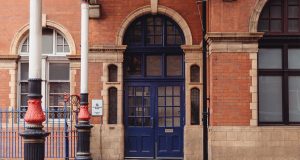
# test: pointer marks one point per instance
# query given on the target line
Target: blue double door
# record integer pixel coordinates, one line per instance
(154, 120)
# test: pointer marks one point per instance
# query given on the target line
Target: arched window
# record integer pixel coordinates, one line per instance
(150, 31)
(112, 73)
(55, 71)
(195, 73)
(195, 106)
(112, 105)
(278, 63)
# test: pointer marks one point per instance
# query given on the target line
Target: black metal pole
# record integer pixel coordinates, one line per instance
(204, 60)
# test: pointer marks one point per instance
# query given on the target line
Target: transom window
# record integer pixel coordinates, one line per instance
(154, 31)
(52, 43)
(278, 63)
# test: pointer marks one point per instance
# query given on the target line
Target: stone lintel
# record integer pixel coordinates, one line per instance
(233, 36)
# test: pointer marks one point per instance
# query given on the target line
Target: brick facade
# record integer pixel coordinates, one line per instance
(232, 71)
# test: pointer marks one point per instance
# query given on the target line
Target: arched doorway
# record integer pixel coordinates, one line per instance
(154, 88)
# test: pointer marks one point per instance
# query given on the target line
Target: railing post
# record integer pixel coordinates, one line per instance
(83, 126)
(34, 135)
(66, 129)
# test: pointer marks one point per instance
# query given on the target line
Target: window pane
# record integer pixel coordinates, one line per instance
(60, 48)
(113, 101)
(265, 13)
(57, 100)
(112, 73)
(294, 99)
(275, 2)
(24, 100)
(134, 63)
(294, 58)
(195, 73)
(275, 12)
(24, 71)
(60, 40)
(153, 65)
(174, 65)
(269, 58)
(195, 106)
(293, 25)
(263, 25)
(59, 87)
(59, 71)
(275, 26)
(293, 12)
(24, 87)
(270, 99)
(47, 41)
(293, 2)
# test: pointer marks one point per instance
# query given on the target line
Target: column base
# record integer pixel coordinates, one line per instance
(83, 141)
(34, 144)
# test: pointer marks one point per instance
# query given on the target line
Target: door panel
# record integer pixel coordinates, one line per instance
(169, 130)
(154, 120)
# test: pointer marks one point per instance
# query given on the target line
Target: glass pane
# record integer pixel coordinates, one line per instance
(275, 11)
(270, 99)
(24, 100)
(59, 87)
(169, 122)
(294, 99)
(263, 25)
(161, 91)
(57, 100)
(169, 101)
(139, 111)
(146, 101)
(24, 87)
(112, 108)
(130, 91)
(293, 12)
(169, 91)
(195, 106)
(24, 71)
(131, 111)
(146, 91)
(147, 121)
(131, 101)
(59, 71)
(161, 111)
(269, 58)
(139, 91)
(293, 2)
(60, 40)
(171, 39)
(60, 49)
(174, 65)
(195, 73)
(158, 21)
(176, 91)
(169, 111)
(265, 13)
(176, 111)
(161, 101)
(134, 65)
(275, 26)
(158, 39)
(147, 111)
(66, 48)
(153, 65)
(112, 73)
(293, 25)
(24, 48)
(294, 58)
(275, 2)
(139, 101)
(176, 101)
(131, 121)
(139, 121)
(161, 122)
(177, 122)
(47, 41)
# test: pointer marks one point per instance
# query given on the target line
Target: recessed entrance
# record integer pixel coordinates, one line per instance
(154, 89)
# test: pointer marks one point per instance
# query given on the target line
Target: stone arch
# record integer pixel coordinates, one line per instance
(24, 30)
(162, 10)
(253, 23)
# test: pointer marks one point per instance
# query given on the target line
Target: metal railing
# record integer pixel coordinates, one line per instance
(60, 123)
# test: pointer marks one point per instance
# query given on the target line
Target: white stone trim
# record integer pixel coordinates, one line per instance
(162, 10)
(253, 21)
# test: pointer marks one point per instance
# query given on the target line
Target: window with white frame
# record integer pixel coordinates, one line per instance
(55, 73)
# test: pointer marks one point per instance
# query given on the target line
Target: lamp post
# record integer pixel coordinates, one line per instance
(34, 135)
(205, 110)
(83, 126)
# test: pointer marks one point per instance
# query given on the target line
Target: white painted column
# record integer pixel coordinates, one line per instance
(35, 39)
(84, 46)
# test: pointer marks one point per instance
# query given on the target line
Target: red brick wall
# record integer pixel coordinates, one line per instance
(230, 88)
(4, 88)
(230, 16)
